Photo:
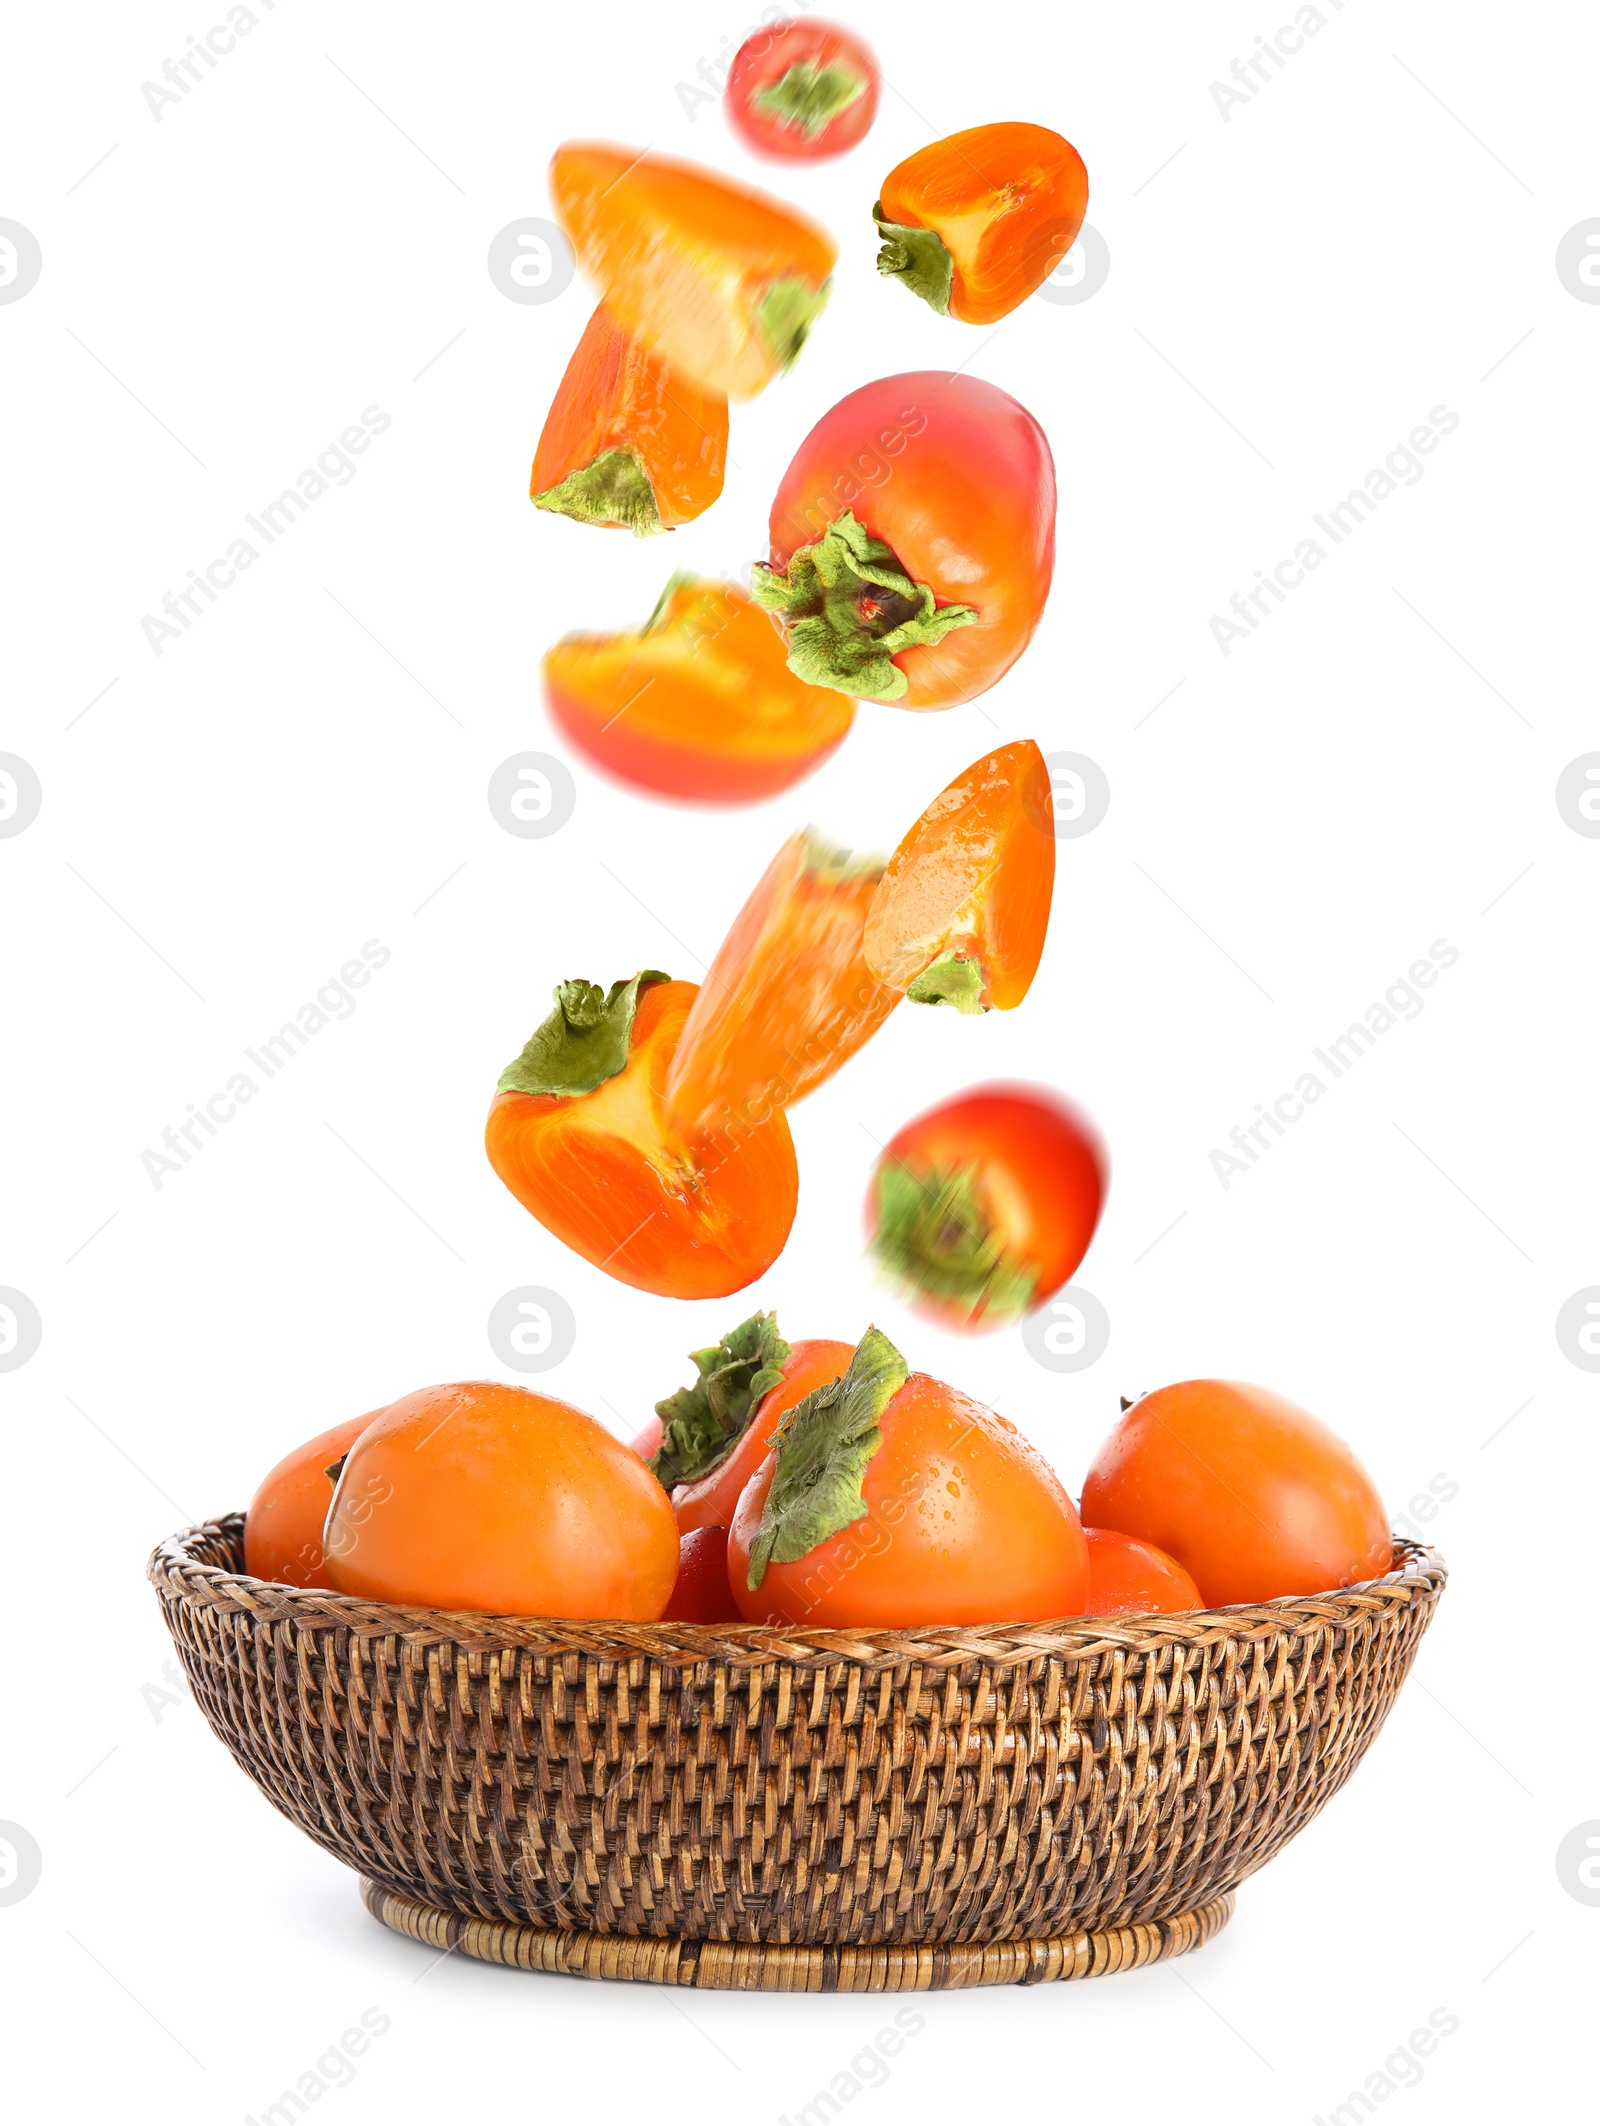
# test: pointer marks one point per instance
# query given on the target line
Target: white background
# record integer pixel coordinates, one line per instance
(1292, 289)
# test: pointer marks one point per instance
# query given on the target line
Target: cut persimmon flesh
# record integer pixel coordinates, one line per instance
(699, 703)
(627, 441)
(975, 223)
(961, 913)
(788, 997)
(722, 281)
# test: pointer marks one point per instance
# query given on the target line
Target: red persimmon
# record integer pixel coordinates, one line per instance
(913, 540)
(986, 1204)
(701, 1594)
(716, 1434)
(802, 91)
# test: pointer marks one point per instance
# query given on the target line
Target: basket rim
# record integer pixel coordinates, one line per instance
(1419, 1574)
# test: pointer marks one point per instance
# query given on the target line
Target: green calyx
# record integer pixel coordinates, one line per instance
(822, 1457)
(583, 1042)
(951, 979)
(788, 311)
(849, 608)
(701, 1425)
(335, 1470)
(612, 489)
(917, 259)
(810, 97)
(933, 1238)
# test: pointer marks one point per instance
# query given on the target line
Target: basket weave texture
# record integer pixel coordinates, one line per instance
(971, 1785)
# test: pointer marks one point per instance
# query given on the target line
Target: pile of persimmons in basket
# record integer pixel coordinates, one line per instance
(813, 1485)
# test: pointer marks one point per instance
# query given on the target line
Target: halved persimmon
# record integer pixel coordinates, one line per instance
(699, 703)
(627, 441)
(788, 996)
(723, 281)
(976, 222)
(961, 913)
(579, 1133)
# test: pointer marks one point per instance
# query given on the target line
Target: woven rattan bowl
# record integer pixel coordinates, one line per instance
(734, 1806)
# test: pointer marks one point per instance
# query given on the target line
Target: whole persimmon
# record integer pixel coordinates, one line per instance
(1253, 1496)
(1131, 1578)
(716, 1434)
(283, 1527)
(481, 1496)
(894, 1500)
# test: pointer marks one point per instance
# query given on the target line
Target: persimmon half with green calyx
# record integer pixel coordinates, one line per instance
(789, 996)
(723, 282)
(283, 1526)
(913, 540)
(699, 704)
(982, 1207)
(476, 1495)
(715, 1433)
(627, 443)
(962, 910)
(578, 1132)
(1130, 1578)
(893, 1500)
(1251, 1494)
(975, 223)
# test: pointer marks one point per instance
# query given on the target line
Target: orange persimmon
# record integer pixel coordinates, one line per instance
(976, 222)
(1131, 1578)
(788, 997)
(1250, 1494)
(283, 1527)
(477, 1495)
(961, 912)
(578, 1132)
(697, 704)
(912, 541)
(716, 1432)
(892, 1499)
(722, 281)
(627, 442)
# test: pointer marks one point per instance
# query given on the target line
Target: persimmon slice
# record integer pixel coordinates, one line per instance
(723, 281)
(698, 704)
(975, 223)
(961, 912)
(579, 1134)
(789, 995)
(628, 442)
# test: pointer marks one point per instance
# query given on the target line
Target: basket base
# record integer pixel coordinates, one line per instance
(755, 1967)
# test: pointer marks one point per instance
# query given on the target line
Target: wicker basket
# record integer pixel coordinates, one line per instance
(737, 1806)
